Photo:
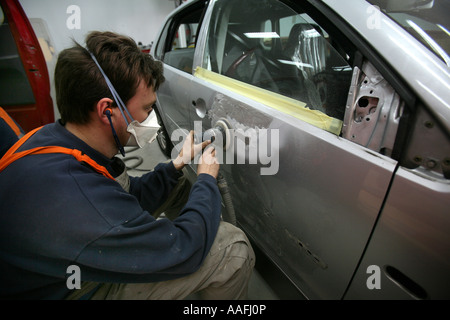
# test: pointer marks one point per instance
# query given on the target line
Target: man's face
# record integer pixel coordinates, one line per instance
(140, 106)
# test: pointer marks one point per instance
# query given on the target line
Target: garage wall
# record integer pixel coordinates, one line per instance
(57, 22)
(140, 19)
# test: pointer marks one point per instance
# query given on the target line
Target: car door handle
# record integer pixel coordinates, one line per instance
(405, 283)
(200, 107)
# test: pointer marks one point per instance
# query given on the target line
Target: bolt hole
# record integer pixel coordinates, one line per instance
(429, 124)
(417, 159)
(363, 102)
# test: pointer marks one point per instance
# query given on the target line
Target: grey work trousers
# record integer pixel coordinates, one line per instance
(224, 274)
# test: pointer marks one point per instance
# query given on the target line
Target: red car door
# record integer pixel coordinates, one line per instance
(24, 79)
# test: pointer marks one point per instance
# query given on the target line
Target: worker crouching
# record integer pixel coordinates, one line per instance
(66, 199)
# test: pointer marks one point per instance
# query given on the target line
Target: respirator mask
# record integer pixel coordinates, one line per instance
(141, 133)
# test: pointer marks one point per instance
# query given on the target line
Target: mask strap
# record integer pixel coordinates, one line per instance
(113, 91)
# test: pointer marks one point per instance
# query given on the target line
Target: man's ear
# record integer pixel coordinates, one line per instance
(103, 106)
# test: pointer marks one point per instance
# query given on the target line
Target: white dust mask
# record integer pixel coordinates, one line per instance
(143, 132)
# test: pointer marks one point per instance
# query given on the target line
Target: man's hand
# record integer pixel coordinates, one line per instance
(189, 151)
(208, 163)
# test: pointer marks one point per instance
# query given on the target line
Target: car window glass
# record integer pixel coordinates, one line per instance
(159, 49)
(267, 41)
(185, 36)
(180, 53)
(270, 46)
(15, 88)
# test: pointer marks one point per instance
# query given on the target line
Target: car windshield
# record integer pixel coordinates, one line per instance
(427, 20)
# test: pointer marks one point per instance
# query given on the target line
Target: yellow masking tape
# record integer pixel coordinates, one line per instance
(276, 101)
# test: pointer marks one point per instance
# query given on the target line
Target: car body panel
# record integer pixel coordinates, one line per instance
(175, 92)
(411, 242)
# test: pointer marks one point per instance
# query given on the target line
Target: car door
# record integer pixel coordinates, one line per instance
(176, 48)
(24, 79)
(282, 83)
(408, 256)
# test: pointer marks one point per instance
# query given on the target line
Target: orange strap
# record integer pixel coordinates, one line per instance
(11, 155)
(5, 116)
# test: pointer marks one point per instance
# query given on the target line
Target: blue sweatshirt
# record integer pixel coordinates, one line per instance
(56, 212)
(7, 137)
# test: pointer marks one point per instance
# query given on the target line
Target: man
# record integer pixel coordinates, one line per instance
(67, 204)
(10, 132)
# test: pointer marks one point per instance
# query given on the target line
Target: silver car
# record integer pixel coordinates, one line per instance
(332, 119)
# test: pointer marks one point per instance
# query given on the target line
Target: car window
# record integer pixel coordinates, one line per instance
(182, 36)
(268, 45)
(15, 88)
(159, 48)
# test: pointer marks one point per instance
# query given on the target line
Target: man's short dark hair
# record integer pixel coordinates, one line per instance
(80, 85)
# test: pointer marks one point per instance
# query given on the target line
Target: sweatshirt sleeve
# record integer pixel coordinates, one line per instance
(143, 249)
(153, 188)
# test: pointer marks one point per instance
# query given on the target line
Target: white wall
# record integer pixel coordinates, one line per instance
(139, 19)
(55, 25)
